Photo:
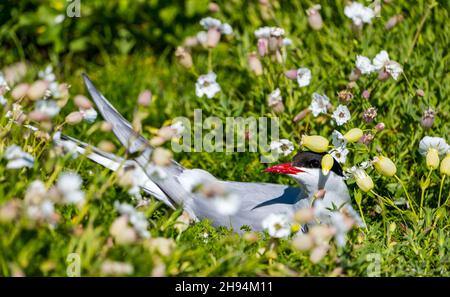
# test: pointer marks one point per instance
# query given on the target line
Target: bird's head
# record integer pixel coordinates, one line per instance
(306, 169)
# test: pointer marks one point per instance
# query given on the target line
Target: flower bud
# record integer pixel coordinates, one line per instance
(427, 118)
(106, 126)
(314, 17)
(291, 74)
(315, 143)
(354, 75)
(379, 127)
(420, 93)
(304, 215)
(369, 114)
(145, 98)
(353, 135)
(38, 116)
(445, 165)
(107, 146)
(383, 75)
(20, 91)
(366, 94)
(385, 166)
(213, 7)
(183, 57)
(262, 46)
(303, 242)
(432, 158)
(82, 102)
(345, 96)
(301, 115)
(74, 118)
(213, 37)
(366, 139)
(363, 180)
(327, 164)
(37, 90)
(393, 21)
(255, 64)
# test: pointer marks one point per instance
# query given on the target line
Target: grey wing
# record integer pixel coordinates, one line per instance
(258, 200)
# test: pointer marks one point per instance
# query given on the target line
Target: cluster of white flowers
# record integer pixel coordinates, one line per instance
(207, 85)
(209, 22)
(340, 151)
(283, 147)
(359, 13)
(136, 218)
(278, 225)
(380, 63)
(68, 185)
(17, 158)
(38, 205)
(47, 107)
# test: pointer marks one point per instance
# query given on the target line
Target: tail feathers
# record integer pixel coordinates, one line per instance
(113, 163)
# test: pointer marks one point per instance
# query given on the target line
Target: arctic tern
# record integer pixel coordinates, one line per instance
(257, 200)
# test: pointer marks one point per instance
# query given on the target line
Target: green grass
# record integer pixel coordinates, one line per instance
(408, 245)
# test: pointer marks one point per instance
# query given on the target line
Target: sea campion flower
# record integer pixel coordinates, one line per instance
(363, 180)
(68, 185)
(345, 96)
(277, 225)
(89, 115)
(38, 206)
(428, 118)
(37, 90)
(17, 158)
(341, 115)
(48, 107)
(432, 148)
(384, 166)
(275, 101)
(381, 62)
(136, 218)
(145, 98)
(319, 104)
(366, 139)
(369, 114)
(303, 77)
(283, 146)
(338, 140)
(359, 13)
(315, 143)
(254, 63)
(340, 154)
(184, 57)
(215, 29)
(353, 135)
(364, 65)
(327, 163)
(206, 85)
(314, 17)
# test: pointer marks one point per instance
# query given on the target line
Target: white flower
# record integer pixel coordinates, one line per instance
(3, 101)
(437, 143)
(382, 62)
(284, 147)
(136, 218)
(48, 107)
(364, 64)
(342, 225)
(340, 154)
(68, 147)
(287, 41)
(319, 104)
(227, 205)
(3, 89)
(68, 185)
(263, 32)
(59, 19)
(277, 224)
(178, 127)
(276, 32)
(303, 77)
(338, 140)
(394, 69)
(18, 158)
(341, 115)
(47, 74)
(359, 13)
(89, 115)
(206, 85)
(275, 97)
(210, 22)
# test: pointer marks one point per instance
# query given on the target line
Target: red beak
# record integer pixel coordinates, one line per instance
(285, 168)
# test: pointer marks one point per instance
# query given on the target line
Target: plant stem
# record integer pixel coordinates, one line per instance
(406, 193)
(362, 216)
(440, 190)
(209, 59)
(422, 196)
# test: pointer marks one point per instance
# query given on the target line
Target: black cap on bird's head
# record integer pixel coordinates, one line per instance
(304, 160)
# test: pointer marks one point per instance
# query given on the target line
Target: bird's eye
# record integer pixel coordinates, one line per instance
(314, 163)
